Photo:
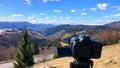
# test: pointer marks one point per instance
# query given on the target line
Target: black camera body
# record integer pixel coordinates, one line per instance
(81, 46)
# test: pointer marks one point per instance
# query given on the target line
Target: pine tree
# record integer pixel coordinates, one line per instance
(35, 48)
(24, 57)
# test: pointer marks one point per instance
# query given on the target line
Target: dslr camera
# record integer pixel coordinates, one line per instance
(82, 48)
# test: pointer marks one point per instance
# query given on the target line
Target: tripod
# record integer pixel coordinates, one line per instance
(81, 63)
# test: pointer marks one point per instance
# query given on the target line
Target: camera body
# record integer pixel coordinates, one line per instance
(81, 46)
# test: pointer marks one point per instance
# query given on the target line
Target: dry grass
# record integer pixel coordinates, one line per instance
(64, 44)
(110, 59)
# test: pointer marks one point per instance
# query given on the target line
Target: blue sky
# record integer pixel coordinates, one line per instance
(90, 12)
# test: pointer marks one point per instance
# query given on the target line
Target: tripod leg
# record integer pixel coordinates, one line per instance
(77, 65)
(91, 63)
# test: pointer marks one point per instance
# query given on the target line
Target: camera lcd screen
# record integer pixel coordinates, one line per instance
(64, 51)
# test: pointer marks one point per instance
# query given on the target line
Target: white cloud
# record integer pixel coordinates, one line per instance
(94, 22)
(65, 22)
(32, 17)
(50, 22)
(13, 17)
(83, 13)
(45, 1)
(67, 18)
(3, 18)
(54, 17)
(84, 9)
(73, 10)
(56, 10)
(117, 7)
(16, 15)
(117, 15)
(47, 17)
(93, 9)
(55, 0)
(112, 15)
(42, 14)
(71, 21)
(106, 16)
(61, 18)
(100, 22)
(102, 6)
(29, 2)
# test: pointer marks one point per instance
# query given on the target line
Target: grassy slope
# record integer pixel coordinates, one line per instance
(110, 59)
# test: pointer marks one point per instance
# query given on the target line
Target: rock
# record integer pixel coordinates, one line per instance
(45, 67)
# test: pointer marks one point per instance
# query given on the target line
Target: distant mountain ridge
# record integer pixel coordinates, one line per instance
(69, 28)
(20, 25)
(49, 29)
(115, 24)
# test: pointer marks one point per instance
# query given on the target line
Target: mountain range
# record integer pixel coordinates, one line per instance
(115, 24)
(54, 32)
(50, 29)
(20, 25)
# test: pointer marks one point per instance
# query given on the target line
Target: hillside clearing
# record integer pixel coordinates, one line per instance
(110, 59)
